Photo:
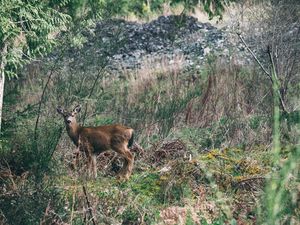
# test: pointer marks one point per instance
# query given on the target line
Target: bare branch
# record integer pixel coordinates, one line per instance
(282, 104)
(254, 56)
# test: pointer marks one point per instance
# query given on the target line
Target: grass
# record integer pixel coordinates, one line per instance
(153, 195)
(207, 150)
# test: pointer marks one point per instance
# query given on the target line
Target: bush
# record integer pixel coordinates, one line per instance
(25, 154)
(31, 203)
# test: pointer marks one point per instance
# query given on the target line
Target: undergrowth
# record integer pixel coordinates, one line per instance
(205, 157)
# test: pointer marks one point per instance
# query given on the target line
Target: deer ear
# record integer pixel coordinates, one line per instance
(77, 109)
(60, 110)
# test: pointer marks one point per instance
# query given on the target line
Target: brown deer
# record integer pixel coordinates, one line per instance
(95, 140)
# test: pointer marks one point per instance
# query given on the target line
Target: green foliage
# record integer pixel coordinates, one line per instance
(215, 8)
(189, 220)
(31, 196)
(24, 153)
(280, 202)
(27, 28)
(104, 120)
(214, 136)
(130, 216)
(204, 137)
(32, 203)
(140, 8)
(174, 191)
(147, 185)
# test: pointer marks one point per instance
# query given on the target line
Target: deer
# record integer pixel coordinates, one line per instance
(92, 141)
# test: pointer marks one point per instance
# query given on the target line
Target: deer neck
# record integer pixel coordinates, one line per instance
(73, 132)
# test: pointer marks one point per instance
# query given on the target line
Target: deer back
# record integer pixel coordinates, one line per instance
(107, 137)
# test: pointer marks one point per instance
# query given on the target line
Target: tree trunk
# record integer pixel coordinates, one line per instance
(2, 78)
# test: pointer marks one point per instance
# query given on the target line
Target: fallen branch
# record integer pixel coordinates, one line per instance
(250, 179)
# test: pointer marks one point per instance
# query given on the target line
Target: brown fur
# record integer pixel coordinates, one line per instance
(95, 140)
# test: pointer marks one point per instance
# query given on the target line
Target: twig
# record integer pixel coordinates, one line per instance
(103, 65)
(43, 221)
(46, 86)
(91, 92)
(254, 56)
(42, 97)
(73, 204)
(282, 104)
(10, 175)
(56, 143)
(20, 113)
(87, 199)
(88, 204)
(276, 80)
(251, 178)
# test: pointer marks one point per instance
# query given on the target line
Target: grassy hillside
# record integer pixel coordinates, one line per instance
(204, 148)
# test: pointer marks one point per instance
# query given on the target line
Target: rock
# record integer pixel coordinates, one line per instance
(127, 44)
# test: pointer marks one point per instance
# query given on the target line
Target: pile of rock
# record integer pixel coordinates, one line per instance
(127, 44)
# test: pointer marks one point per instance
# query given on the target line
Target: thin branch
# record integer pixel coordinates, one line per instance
(254, 56)
(86, 198)
(42, 98)
(91, 92)
(282, 104)
(46, 213)
(56, 142)
(250, 179)
(73, 204)
(88, 204)
(103, 65)
(46, 86)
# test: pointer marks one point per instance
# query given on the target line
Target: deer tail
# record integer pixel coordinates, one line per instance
(130, 142)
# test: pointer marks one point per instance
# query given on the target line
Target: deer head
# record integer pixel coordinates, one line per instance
(69, 117)
(71, 122)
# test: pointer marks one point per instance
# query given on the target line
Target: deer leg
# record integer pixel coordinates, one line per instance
(75, 162)
(89, 166)
(123, 170)
(91, 160)
(129, 165)
(94, 166)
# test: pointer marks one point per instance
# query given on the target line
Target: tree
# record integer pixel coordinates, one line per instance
(279, 21)
(27, 30)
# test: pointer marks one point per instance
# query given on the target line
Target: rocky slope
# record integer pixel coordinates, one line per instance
(127, 44)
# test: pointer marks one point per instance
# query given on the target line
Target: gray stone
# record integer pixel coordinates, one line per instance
(127, 44)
